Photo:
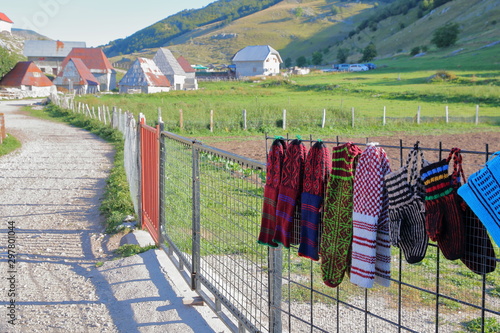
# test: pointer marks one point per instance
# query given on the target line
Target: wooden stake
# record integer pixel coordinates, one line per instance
(211, 120)
(181, 120)
(284, 119)
(323, 122)
(384, 119)
(244, 120)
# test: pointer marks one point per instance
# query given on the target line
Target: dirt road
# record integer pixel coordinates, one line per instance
(51, 227)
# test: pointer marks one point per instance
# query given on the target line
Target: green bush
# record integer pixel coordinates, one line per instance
(446, 35)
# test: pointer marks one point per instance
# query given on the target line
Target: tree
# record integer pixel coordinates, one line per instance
(446, 35)
(415, 51)
(301, 61)
(288, 62)
(369, 53)
(317, 58)
(7, 61)
(342, 55)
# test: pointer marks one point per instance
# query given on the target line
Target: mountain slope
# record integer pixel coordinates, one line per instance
(301, 27)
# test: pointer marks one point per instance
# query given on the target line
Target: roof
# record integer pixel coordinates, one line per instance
(25, 73)
(152, 75)
(93, 58)
(186, 66)
(49, 48)
(255, 53)
(5, 18)
(166, 61)
(83, 71)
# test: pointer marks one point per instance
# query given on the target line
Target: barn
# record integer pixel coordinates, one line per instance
(144, 77)
(257, 60)
(48, 55)
(191, 83)
(27, 80)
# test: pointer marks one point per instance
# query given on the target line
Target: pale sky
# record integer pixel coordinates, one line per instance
(95, 22)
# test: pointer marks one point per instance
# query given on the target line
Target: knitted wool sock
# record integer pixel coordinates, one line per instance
(336, 238)
(371, 251)
(317, 167)
(289, 194)
(271, 189)
(406, 209)
(444, 219)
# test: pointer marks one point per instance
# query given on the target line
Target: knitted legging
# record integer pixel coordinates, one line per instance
(316, 170)
(273, 180)
(287, 225)
(336, 238)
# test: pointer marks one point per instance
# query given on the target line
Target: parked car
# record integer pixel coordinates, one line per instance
(357, 68)
(371, 65)
(343, 67)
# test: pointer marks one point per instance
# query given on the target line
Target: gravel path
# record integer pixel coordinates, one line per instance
(49, 197)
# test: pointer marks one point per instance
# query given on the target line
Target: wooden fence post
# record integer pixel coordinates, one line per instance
(447, 115)
(284, 119)
(211, 120)
(418, 115)
(244, 119)
(181, 120)
(384, 119)
(477, 114)
(323, 122)
(352, 117)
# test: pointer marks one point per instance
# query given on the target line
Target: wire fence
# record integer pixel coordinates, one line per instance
(210, 208)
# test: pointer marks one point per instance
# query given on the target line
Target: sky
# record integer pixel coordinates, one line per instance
(95, 22)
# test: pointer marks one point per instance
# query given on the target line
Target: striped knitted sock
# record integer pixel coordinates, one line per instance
(371, 244)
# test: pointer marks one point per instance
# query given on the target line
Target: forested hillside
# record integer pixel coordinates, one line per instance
(160, 33)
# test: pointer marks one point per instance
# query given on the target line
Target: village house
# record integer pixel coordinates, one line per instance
(48, 55)
(76, 77)
(171, 68)
(144, 76)
(257, 60)
(27, 80)
(98, 64)
(5, 23)
(190, 83)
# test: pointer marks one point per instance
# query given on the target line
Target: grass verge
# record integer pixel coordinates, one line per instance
(116, 204)
(9, 145)
(129, 250)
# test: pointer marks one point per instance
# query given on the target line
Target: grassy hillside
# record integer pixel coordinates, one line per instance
(299, 28)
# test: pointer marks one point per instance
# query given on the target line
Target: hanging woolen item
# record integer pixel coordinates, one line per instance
(289, 194)
(407, 207)
(443, 216)
(336, 238)
(316, 170)
(273, 180)
(371, 250)
(482, 194)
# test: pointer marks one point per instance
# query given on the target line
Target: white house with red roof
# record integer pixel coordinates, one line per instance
(27, 80)
(5, 23)
(75, 76)
(98, 64)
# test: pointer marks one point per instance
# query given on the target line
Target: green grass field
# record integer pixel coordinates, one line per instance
(401, 86)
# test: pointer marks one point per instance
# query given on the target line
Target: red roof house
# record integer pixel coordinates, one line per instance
(190, 83)
(98, 64)
(27, 74)
(5, 23)
(75, 76)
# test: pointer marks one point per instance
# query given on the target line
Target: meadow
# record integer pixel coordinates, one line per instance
(400, 85)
